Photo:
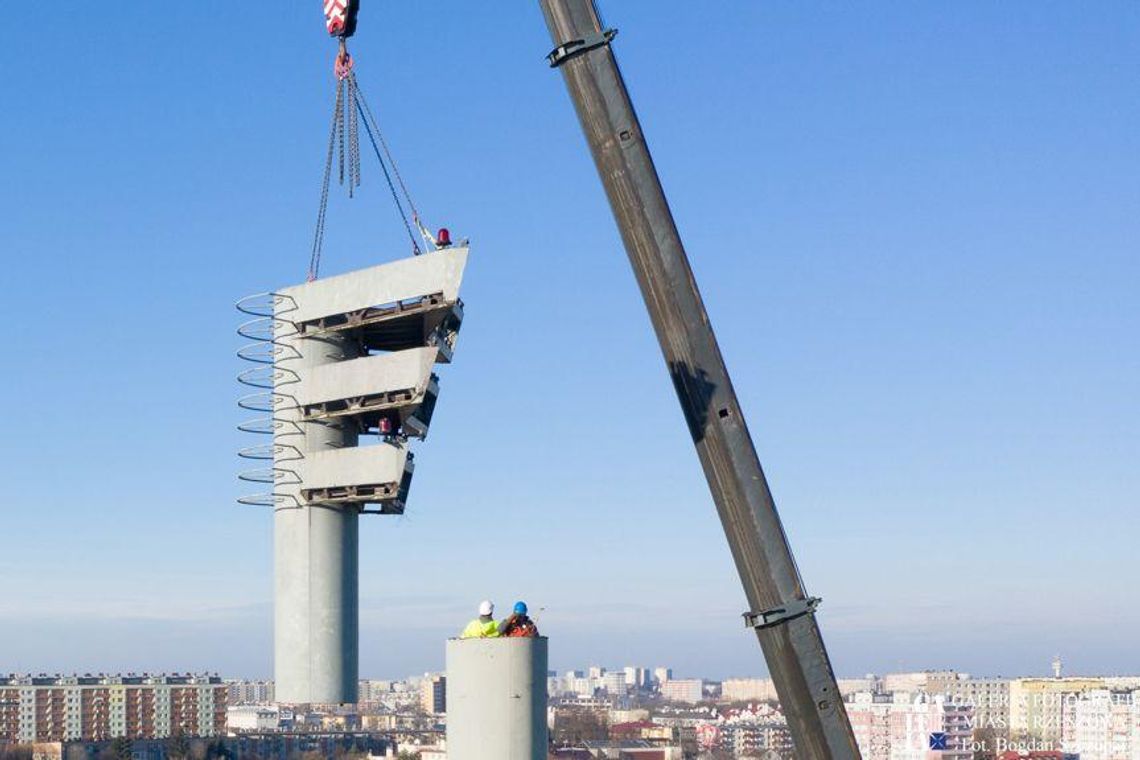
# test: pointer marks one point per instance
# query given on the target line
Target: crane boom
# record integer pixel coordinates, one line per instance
(781, 611)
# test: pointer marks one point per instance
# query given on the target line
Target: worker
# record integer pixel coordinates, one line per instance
(484, 626)
(518, 625)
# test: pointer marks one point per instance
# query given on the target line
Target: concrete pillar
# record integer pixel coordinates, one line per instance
(496, 699)
(316, 552)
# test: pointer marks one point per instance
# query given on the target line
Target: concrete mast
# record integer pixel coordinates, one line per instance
(315, 553)
(782, 613)
(340, 358)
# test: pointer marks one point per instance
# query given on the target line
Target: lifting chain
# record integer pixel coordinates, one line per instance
(344, 144)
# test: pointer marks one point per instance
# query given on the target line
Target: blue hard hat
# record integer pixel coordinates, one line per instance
(520, 608)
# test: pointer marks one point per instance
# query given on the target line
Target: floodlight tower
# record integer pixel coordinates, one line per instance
(339, 359)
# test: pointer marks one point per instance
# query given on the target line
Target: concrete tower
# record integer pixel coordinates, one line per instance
(496, 699)
(346, 361)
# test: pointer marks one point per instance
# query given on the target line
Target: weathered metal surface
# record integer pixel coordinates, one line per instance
(794, 650)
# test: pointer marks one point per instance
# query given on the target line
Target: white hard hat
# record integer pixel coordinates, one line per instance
(486, 607)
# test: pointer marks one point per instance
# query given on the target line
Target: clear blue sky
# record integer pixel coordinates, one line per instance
(915, 226)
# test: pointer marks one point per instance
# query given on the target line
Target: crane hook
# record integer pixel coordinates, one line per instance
(343, 65)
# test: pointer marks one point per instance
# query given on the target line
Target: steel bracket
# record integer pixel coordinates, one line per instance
(782, 614)
(568, 50)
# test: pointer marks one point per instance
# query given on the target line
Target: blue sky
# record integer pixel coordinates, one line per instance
(915, 227)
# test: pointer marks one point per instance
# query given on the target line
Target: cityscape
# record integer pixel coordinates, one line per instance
(633, 713)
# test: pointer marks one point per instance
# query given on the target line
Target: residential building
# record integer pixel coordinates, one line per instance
(870, 716)
(280, 746)
(1036, 707)
(904, 682)
(256, 718)
(433, 694)
(930, 727)
(582, 686)
(748, 690)
(96, 708)
(919, 681)
(597, 704)
(249, 692)
(687, 690)
(753, 738)
(1122, 683)
(1103, 725)
(910, 726)
(849, 686)
(990, 699)
(614, 683)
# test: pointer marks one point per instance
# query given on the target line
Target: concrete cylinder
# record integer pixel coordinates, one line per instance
(316, 553)
(496, 699)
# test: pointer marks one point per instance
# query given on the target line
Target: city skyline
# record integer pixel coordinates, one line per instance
(923, 275)
(894, 716)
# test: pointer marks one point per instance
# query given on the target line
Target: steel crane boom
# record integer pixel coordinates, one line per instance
(782, 612)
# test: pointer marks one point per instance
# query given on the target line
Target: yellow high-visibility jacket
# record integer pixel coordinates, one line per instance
(477, 629)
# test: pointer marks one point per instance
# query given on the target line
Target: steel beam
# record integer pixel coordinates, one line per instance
(784, 614)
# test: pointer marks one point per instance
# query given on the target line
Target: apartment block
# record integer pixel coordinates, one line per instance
(1103, 725)
(687, 690)
(748, 690)
(98, 708)
(433, 694)
(1037, 706)
(910, 726)
(249, 692)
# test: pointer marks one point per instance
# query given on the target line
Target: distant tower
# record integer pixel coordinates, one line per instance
(1057, 666)
(341, 359)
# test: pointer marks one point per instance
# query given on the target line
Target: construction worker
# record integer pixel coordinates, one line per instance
(484, 626)
(518, 625)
